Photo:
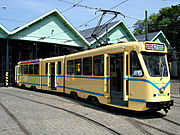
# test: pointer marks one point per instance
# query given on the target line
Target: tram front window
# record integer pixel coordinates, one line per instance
(156, 64)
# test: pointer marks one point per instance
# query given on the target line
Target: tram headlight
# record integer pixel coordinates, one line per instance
(162, 89)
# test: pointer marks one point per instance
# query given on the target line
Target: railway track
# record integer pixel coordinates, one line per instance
(175, 97)
(137, 124)
(13, 117)
(153, 127)
(71, 112)
(84, 103)
(175, 123)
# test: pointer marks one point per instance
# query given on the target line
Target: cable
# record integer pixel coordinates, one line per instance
(71, 7)
(12, 20)
(74, 4)
(91, 19)
(67, 2)
(132, 18)
(92, 8)
(100, 15)
(118, 4)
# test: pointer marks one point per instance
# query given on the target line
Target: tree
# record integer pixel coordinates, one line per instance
(167, 20)
(139, 27)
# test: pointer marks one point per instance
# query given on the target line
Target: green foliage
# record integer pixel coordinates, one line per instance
(139, 27)
(167, 20)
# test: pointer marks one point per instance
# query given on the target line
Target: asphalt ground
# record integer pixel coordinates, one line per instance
(46, 113)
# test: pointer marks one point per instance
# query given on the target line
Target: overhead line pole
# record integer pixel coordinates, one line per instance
(146, 26)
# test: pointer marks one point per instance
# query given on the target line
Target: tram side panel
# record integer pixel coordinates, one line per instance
(30, 74)
(53, 74)
(84, 78)
(44, 75)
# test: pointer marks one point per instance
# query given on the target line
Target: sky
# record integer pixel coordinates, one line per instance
(14, 13)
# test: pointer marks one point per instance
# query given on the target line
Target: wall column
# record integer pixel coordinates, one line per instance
(7, 63)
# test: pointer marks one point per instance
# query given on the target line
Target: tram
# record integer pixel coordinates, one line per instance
(131, 75)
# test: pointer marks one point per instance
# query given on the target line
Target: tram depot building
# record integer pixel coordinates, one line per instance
(52, 35)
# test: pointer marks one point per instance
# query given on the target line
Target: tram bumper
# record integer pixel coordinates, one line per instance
(160, 105)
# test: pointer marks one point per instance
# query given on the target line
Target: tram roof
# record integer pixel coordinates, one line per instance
(116, 48)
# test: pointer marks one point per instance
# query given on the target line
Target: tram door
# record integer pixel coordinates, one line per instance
(116, 78)
(52, 73)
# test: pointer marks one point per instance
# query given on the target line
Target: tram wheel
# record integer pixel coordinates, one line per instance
(33, 88)
(74, 95)
(23, 86)
(94, 100)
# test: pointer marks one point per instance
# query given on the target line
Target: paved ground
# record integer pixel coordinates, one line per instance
(175, 86)
(39, 113)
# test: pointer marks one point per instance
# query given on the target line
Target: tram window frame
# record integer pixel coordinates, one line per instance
(46, 68)
(87, 66)
(77, 68)
(59, 68)
(36, 72)
(22, 69)
(26, 69)
(98, 65)
(70, 67)
(31, 69)
(139, 69)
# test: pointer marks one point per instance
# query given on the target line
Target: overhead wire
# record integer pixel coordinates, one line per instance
(71, 7)
(92, 18)
(100, 15)
(74, 5)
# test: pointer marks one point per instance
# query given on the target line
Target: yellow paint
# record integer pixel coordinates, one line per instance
(7, 78)
(80, 83)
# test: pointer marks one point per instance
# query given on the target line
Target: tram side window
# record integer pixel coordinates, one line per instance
(87, 66)
(98, 65)
(77, 67)
(25, 69)
(70, 67)
(36, 69)
(22, 69)
(30, 69)
(46, 72)
(136, 69)
(59, 67)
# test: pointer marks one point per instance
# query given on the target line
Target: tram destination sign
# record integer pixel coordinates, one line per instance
(152, 46)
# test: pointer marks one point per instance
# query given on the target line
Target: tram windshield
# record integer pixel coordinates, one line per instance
(156, 64)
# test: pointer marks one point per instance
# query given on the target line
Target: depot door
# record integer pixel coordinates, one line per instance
(116, 79)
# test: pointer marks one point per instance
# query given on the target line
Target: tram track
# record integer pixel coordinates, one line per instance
(84, 103)
(71, 112)
(153, 127)
(175, 123)
(177, 103)
(175, 97)
(13, 117)
(137, 124)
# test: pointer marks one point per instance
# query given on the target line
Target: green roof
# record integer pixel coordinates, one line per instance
(51, 27)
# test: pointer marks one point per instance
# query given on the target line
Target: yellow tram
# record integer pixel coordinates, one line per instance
(132, 75)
